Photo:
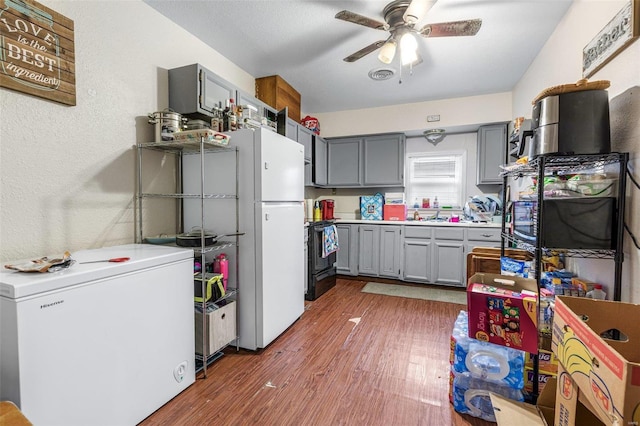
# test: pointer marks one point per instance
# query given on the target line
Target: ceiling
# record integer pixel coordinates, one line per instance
(303, 43)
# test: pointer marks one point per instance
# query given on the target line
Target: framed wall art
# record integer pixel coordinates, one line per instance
(37, 54)
(619, 33)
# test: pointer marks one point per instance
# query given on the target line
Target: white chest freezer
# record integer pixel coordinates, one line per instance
(98, 343)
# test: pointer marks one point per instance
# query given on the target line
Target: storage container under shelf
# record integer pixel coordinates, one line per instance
(221, 328)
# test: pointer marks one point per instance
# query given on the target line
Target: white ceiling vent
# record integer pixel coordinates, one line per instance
(380, 74)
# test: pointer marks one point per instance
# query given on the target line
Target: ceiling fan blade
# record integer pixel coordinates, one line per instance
(469, 27)
(417, 10)
(364, 51)
(345, 15)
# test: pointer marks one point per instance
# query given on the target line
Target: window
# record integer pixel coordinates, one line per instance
(433, 175)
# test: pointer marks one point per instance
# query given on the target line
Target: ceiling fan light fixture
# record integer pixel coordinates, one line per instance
(408, 49)
(387, 52)
(416, 10)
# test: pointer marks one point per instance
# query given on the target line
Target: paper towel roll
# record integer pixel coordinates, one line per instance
(308, 205)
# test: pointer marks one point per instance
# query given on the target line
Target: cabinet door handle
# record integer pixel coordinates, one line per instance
(266, 216)
(266, 165)
(486, 235)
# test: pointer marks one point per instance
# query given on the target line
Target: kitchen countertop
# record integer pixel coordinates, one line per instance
(423, 223)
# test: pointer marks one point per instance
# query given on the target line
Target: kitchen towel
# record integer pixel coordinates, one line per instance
(329, 240)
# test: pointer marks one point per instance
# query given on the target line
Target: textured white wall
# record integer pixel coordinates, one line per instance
(560, 62)
(68, 173)
(473, 110)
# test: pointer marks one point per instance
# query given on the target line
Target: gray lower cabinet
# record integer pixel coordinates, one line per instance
(418, 251)
(448, 256)
(347, 257)
(479, 237)
(368, 249)
(492, 146)
(379, 251)
(390, 253)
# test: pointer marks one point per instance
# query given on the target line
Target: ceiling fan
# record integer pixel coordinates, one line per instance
(400, 18)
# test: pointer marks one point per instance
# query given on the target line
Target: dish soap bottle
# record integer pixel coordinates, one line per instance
(597, 293)
(317, 214)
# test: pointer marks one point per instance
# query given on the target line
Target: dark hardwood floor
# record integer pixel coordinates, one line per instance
(352, 359)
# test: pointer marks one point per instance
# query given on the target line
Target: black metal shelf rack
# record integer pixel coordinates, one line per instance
(551, 164)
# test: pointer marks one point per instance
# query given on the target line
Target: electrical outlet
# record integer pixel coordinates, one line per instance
(180, 371)
(432, 118)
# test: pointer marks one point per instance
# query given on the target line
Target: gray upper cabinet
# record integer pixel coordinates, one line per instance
(344, 162)
(492, 145)
(366, 161)
(319, 161)
(264, 110)
(305, 137)
(296, 132)
(384, 160)
(195, 91)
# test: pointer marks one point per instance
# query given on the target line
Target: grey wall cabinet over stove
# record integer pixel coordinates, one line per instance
(347, 258)
(492, 146)
(195, 91)
(366, 161)
(319, 161)
(344, 162)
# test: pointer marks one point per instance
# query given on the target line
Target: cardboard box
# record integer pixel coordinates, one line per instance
(220, 328)
(503, 310)
(571, 406)
(541, 414)
(543, 379)
(506, 410)
(371, 207)
(547, 361)
(603, 373)
(394, 212)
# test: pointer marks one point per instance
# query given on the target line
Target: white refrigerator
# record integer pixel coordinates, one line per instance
(98, 343)
(270, 272)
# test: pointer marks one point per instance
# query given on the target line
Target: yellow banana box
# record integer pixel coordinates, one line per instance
(509, 412)
(597, 343)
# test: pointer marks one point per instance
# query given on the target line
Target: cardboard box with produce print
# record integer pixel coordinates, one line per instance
(597, 343)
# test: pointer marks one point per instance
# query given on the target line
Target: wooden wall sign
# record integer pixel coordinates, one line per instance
(621, 31)
(37, 51)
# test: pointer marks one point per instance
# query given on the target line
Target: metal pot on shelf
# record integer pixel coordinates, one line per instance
(166, 123)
